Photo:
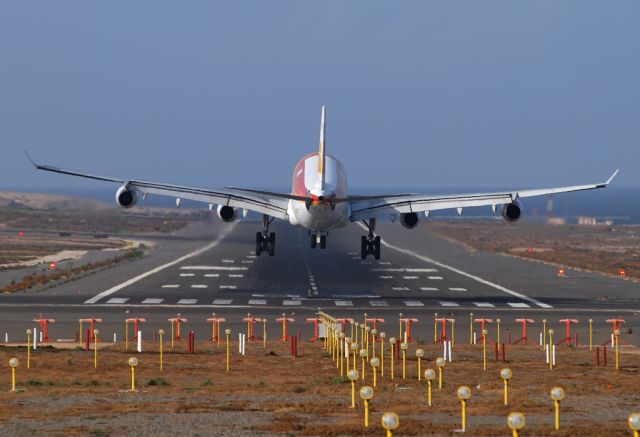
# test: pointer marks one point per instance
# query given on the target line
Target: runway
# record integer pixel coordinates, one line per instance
(212, 267)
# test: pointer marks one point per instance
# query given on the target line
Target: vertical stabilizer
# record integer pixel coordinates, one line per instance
(322, 150)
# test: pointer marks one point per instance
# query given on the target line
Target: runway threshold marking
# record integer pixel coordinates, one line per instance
(413, 303)
(463, 273)
(135, 279)
(187, 301)
(518, 305)
(152, 300)
(449, 304)
(378, 303)
(118, 300)
(484, 304)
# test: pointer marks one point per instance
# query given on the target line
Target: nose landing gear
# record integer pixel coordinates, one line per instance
(370, 244)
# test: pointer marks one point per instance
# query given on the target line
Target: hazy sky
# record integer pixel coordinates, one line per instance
(419, 94)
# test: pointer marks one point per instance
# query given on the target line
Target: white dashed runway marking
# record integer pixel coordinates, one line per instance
(214, 268)
(228, 261)
(457, 289)
(483, 304)
(171, 286)
(228, 287)
(413, 303)
(291, 303)
(152, 300)
(187, 301)
(187, 275)
(344, 303)
(448, 304)
(428, 289)
(400, 288)
(236, 276)
(246, 261)
(435, 278)
(257, 302)
(385, 277)
(199, 286)
(410, 277)
(222, 301)
(212, 275)
(378, 303)
(118, 300)
(518, 305)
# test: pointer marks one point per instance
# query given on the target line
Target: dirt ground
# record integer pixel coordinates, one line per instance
(269, 392)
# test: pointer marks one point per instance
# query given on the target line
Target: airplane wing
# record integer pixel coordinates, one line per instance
(385, 206)
(272, 204)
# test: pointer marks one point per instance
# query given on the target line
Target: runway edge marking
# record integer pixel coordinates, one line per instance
(463, 273)
(135, 279)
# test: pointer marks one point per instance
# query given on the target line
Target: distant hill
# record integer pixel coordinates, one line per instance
(39, 201)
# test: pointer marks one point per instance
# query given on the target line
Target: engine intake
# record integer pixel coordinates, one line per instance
(512, 212)
(409, 220)
(227, 213)
(126, 198)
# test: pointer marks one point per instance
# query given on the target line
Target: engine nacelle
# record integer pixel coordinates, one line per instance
(409, 220)
(512, 212)
(227, 213)
(126, 198)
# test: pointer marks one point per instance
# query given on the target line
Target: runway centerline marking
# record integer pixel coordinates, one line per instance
(214, 268)
(199, 286)
(463, 273)
(171, 286)
(378, 303)
(146, 274)
(212, 275)
(228, 287)
(428, 289)
(187, 275)
(457, 289)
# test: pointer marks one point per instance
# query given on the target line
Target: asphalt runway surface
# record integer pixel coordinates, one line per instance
(212, 268)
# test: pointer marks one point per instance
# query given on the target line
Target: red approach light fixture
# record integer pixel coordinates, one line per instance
(53, 266)
(21, 234)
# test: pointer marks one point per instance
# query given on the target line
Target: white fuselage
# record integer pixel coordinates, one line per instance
(320, 214)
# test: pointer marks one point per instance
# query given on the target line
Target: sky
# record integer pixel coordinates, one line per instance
(419, 94)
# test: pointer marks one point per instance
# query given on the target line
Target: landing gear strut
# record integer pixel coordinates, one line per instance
(265, 241)
(315, 239)
(370, 244)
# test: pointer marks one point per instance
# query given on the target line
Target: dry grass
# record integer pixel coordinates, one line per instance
(269, 392)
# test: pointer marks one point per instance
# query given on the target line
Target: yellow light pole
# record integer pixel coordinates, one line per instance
(419, 355)
(440, 362)
(347, 350)
(161, 334)
(357, 326)
(363, 357)
(172, 335)
(400, 327)
(13, 363)
(464, 393)
(133, 362)
(362, 339)
(126, 336)
(366, 393)
(634, 424)
(353, 377)
(382, 337)
(557, 394)
(544, 332)
(341, 354)
(367, 330)
(429, 375)
(28, 348)
(95, 348)
(351, 323)
(499, 345)
(364, 318)
(392, 343)
(390, 422)
(227, 333)
(435, 328)
(484, 349)
(506, 375)
(375, 363)
(590, 334)
(264, 333)
(374, 336)
(404, 347)
(617, 338)
(516, 422)
(550, 349)
(354, 350)
(453, 333)
(470, 328)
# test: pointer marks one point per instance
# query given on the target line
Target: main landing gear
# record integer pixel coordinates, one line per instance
(370, 244)
(265, 241)
(318, 239)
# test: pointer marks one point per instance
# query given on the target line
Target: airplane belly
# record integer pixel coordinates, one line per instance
(320, 218)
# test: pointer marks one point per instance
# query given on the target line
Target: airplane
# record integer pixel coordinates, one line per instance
(319, 201)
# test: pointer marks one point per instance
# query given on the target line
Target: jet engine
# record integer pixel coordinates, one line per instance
(227, 213)
(409, 220)
(511, 212)
(126, 198)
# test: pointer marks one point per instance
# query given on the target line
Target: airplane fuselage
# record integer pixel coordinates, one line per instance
(319, 214)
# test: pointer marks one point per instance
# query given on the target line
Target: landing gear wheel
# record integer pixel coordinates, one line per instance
(258, 243)
(323, 241)
(314, 242)
(272, 244)
(364, 247)
(376, 248)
